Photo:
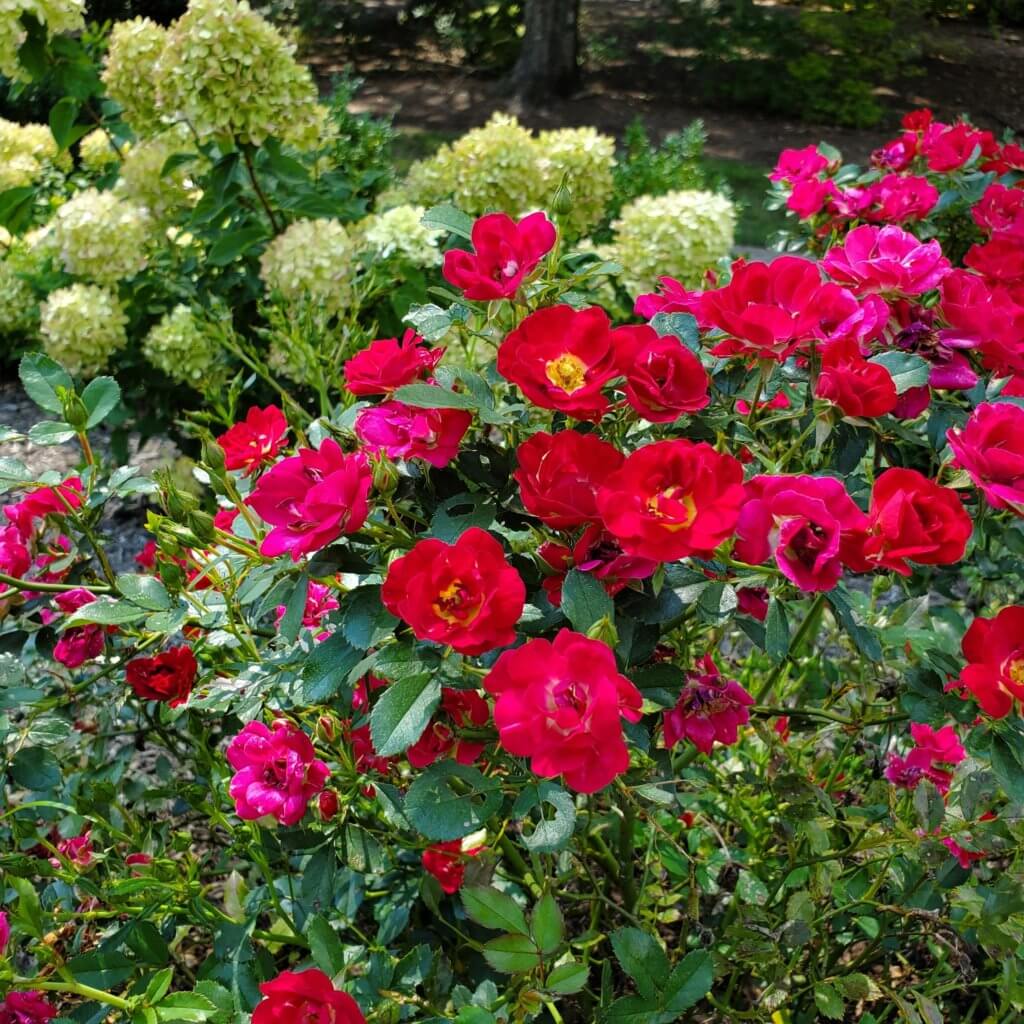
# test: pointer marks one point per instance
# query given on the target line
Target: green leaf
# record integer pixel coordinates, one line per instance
(367, 622)
(512, 954)
(143, 939)
(144, 591)
(549, 834)
(930, 806)
(633, 1010)
(63, 116)
(432, 322)
(105, 611)
(455, 515)
(14, 471)
(402, 713)
(776, 630)
(450, 800)
(678, 325)
(751, 889)
(450, 219)
(159, 984)
(40, 377)
(906, 369)
(828, 1001)
(362, 851)
(585, 601)
(28, 910)
(567, 979)
(100, 397)
(327, 668)
(47, 432)
(295, 609)
(233, 243)
(16, 208)
(640, 955)
(325, 946)
(185, 1006)
(689, 982)
(864, 639)
(1007, 769)
(494, 909)
(430, 396)
(35, 768)
(546, 924)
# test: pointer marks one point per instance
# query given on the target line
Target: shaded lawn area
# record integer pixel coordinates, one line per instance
(748, 182)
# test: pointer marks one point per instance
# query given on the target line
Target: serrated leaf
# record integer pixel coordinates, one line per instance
(512, 954)
(450, 800)
(430, 396)
(327, 668)
(776, 631)
(35, 768)
(549, 834)
(494, 909)
(906, 369)
(546, 924)
(402, 713)
(326, 948)
(105, 611)
(585, 601)
(567, 979)
(366, 621)
(40, 377)
(640, 955)
(689, 982)
(47, 432)
(828, 1001)
(185, 1006)
(448, 218)
(144, 591)
(100, 397)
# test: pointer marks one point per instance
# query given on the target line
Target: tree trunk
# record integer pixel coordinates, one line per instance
(548, 61)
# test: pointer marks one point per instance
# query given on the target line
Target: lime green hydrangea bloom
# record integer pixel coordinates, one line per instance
(18, 304)
(129, 71)
(97, 152)
(143, 182)
(180, 347)
(400, 231)
(82, 326)
(55, 16)
(311, 259)
(585, 158)
(25, 152)
(102, 237)
(229, 73)
(679, 234)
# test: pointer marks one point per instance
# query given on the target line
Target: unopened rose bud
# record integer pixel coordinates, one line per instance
(605, 631)
(213, 456)
(74, 410)
(201, 524)
(385, 477)
(327, 804)
(326, 728)
(561, 202)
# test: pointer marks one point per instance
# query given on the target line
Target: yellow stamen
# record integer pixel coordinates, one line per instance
(567, 372)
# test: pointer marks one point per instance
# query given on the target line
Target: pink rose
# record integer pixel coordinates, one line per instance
(886, 260)
(710, 709)
(387, 364)
(406, 432)
(991, 448)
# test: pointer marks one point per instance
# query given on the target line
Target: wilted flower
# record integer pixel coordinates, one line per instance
(82, 325)
(710, 709)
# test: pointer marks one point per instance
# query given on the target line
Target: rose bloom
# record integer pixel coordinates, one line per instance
(990, 448)
(1009, 157)
(799, 164)
(1000, 211)
(898, 198)
(255, 441)
(672, 499)
(463, 594)
(305, 997)
(809, 197)
(277, 772)
(896, 154)
(320, 602)
(15, 557)
(505, 253)
(561, 703)
(78, 644)
(948, 147)
(459, 709)
(886, 260)
(447, 863)
(912, 518)
(25, 1008)
(405, 432)
(561, 358)
(387, 364)
(598, 553)
(933, 748)
(805, 521)
(767, 309)
(994, 649)
(672, 297)
(999, 259)
(43, 502)
(166, 677)
(710, 709)
(857, 387)
(559, 474)
(311, 499)
(964, 857)
(664, 379)
(987, 315)
(78, 850)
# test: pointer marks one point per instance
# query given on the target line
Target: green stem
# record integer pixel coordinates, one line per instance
(810, 619)
(49, 588)
(76, 989)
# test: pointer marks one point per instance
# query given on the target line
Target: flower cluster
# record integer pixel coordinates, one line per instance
(82, 326)
(101, 237)
(400, 232)
(180, 346)
(17, 299)
(584, 158)
(97, 152)
(55, 16)
(679, 234)
(311, 260)
(26, 150)
(129, 72)
(143, 181)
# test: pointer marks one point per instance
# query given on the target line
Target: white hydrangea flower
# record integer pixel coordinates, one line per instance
(228, 72)
(143, 182)
(25, 151)
(17, 300)
(97, 151)
(678, 235)
(400, 231)
(101, 236)
(129, 71)
(586, 157)
(82, 326)
(55, 16)
(311, 259)
(179, 346)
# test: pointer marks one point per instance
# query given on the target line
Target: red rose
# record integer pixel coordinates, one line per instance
(561, 704)
(914, 519)
(311, 499)
(849, 381)
(26, 1008)
(459, 709)
(664, 379)
(167, 677)
(805, 521)
(767, 309)
(506, 253)
(999, 259)
(558, 476)
(463, 594)
(387, 364)
(991, 448)
(672, 499)
(671, 297)
(561, 358)
(994, 649)
(596, 552)
(407, 432)
(447, 863)
(306, 996)
(256, 440)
